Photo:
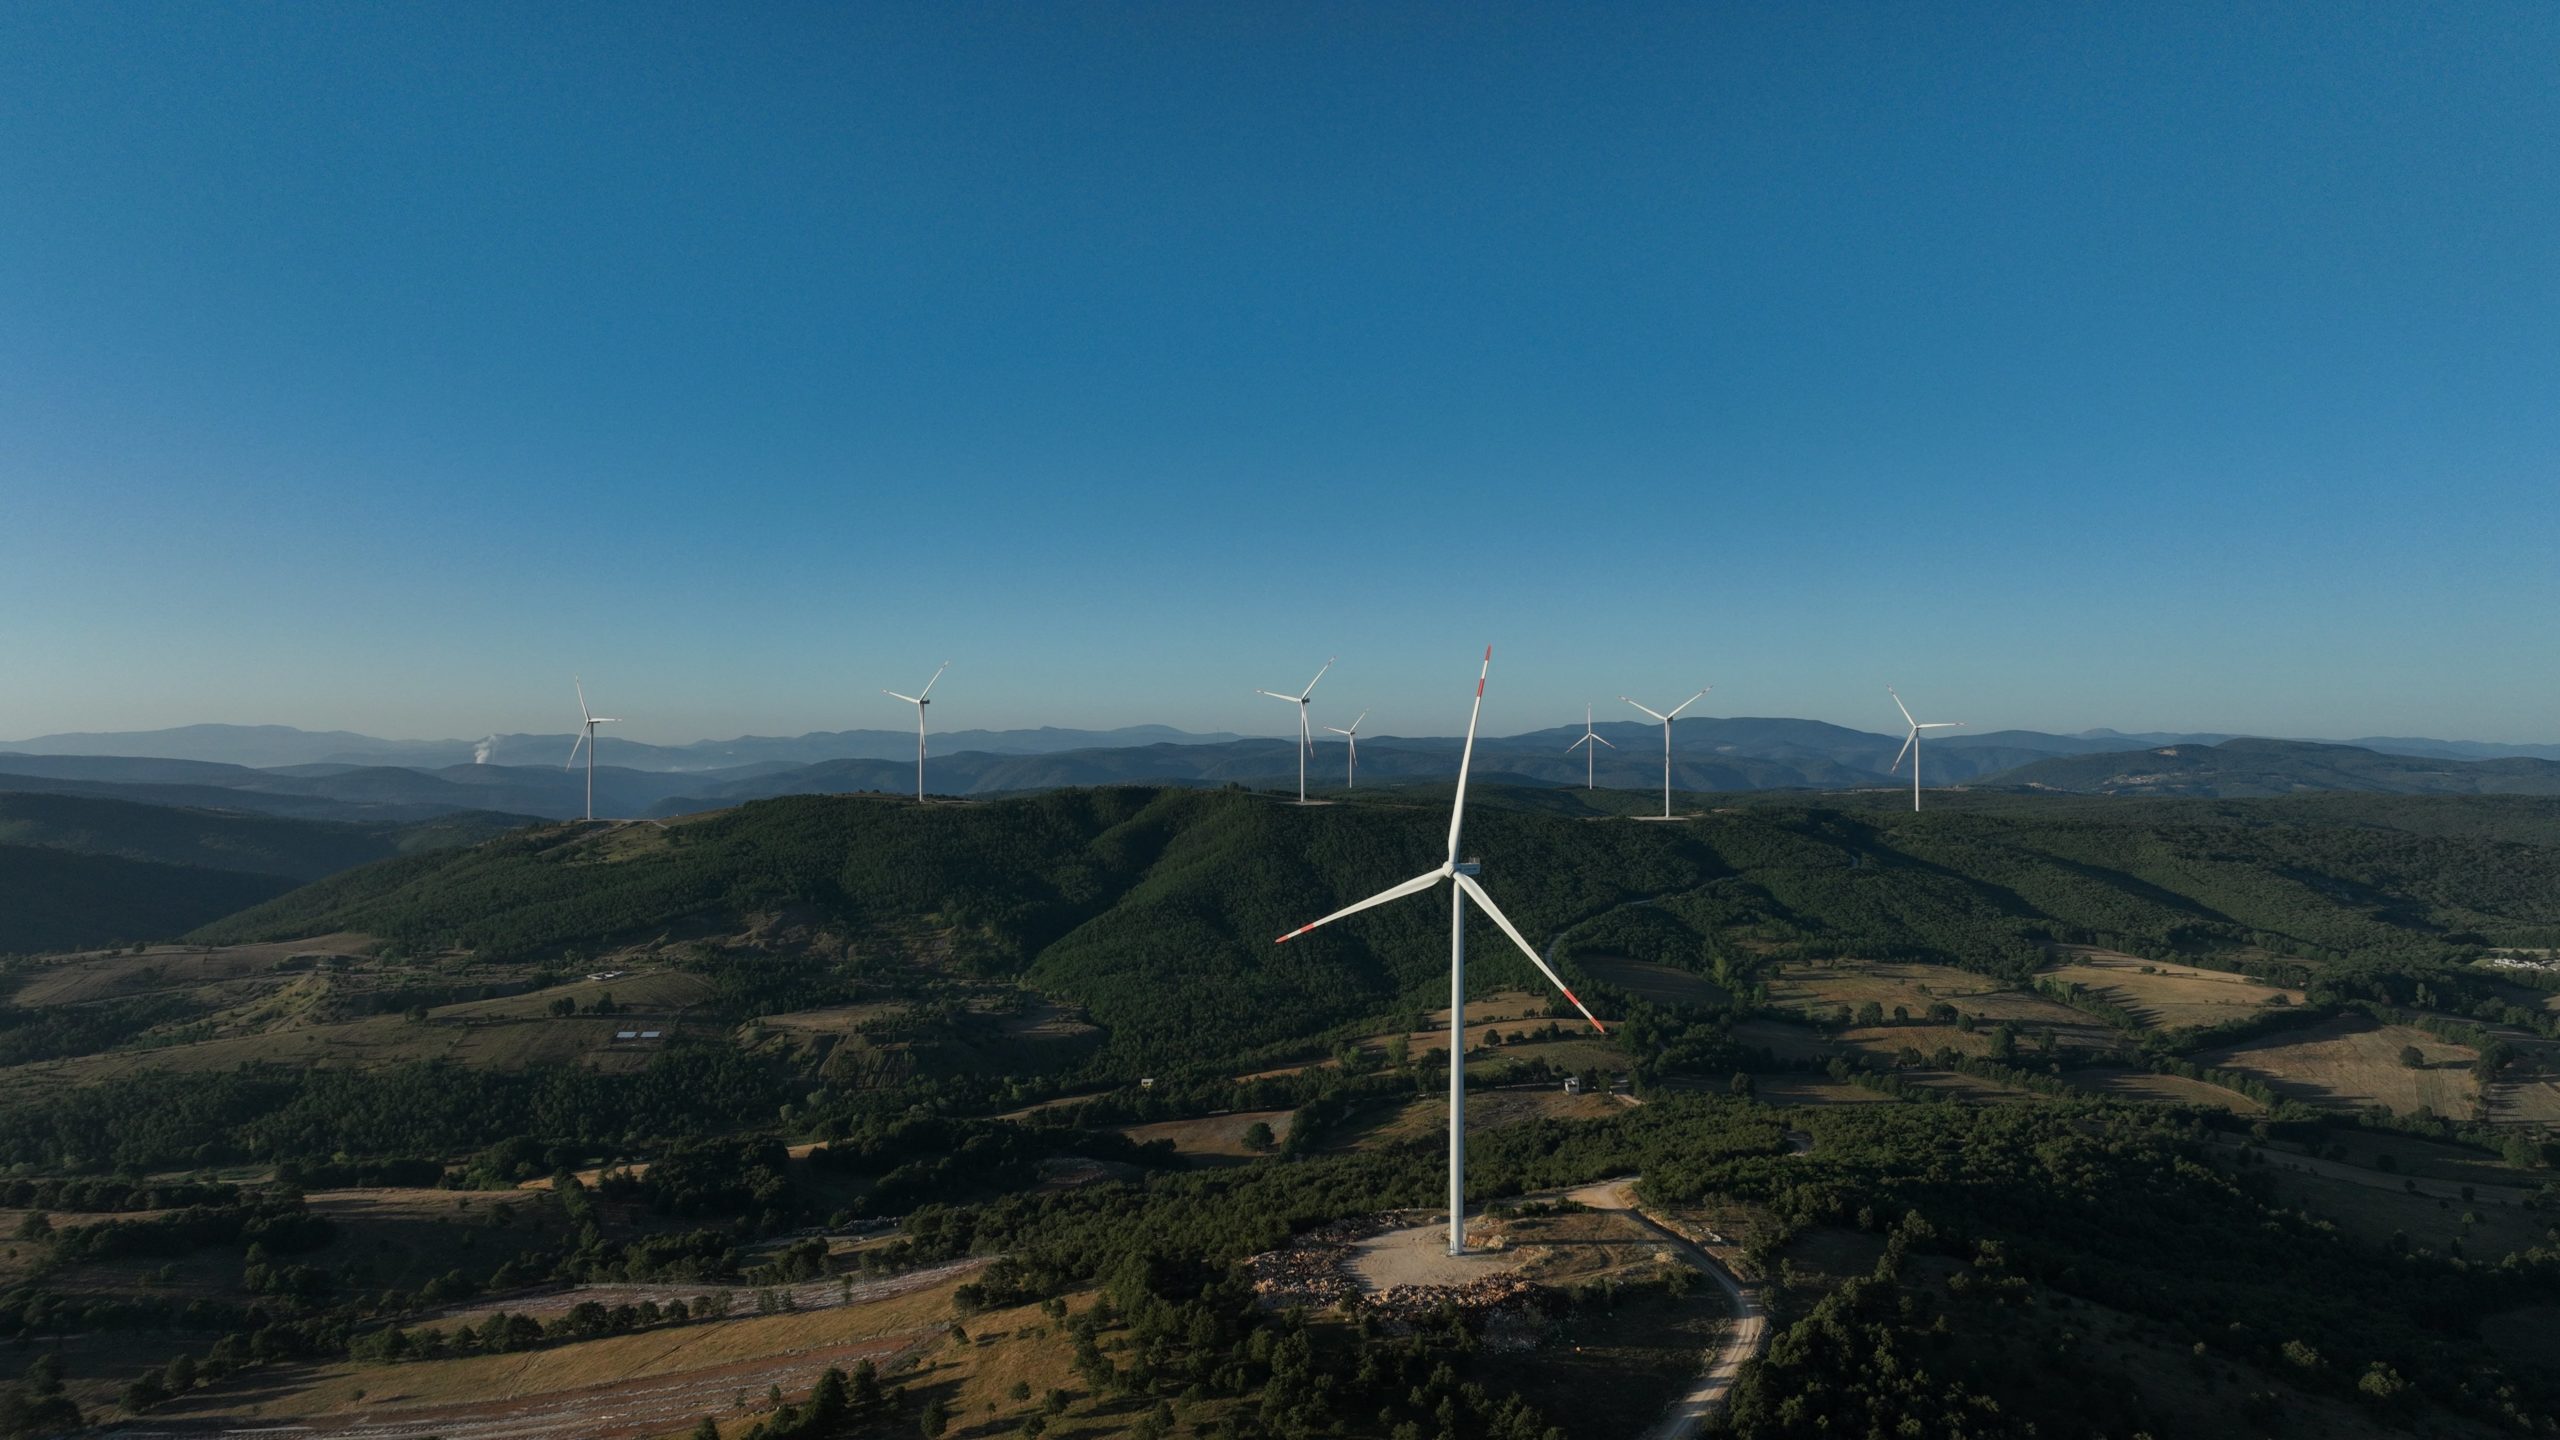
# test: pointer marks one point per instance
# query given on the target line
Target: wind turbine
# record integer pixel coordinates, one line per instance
(1666, 740)
(1463, 887)
(1911, 743)
(920, 700)
(1351, 765)
(1306, 741)
(587, 737)
(1592, 738)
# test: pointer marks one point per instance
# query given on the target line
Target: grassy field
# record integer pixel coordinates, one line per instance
(1487, 1110)
(1213, 1139)
(2529, 1100)
(782, 1343)
(2164, 1089)
(1508, 1011)
(1835, 986)
(111, 974)
(2168, 997)
(1854, 982)
(2355, 1063)
(640, 992)
(380, 1040)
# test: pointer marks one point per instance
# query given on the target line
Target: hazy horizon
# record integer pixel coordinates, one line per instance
(1369, 729)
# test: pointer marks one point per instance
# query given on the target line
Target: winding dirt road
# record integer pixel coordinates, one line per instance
(1742, 1340)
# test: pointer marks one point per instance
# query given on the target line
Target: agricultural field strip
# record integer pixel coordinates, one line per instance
(806, 1295)
(618, 1410)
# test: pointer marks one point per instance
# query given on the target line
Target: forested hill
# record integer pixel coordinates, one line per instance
(53, 899)
(227, 840)
(1155, 909)
(78, 871)
(2248, 767)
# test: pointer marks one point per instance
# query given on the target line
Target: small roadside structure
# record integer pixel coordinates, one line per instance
(1573, 1084)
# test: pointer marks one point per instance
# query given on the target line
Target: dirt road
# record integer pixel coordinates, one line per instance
(1749, 1331)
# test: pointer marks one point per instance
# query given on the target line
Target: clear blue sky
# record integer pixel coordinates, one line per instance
(2177, 366)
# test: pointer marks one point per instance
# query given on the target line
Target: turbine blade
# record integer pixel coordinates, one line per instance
(1596, 736)
(1476, 893)
(1898, 705)
(1466, 758)
(1578, 744)
(1685, 704)
(1355, 725)
(582, 697)
(1311, 685)
(929, 684)
(910, 699)
(573, 749)
(1398, 892)
(1649, 710)
(1276, 695)
(1943, 725)
(1907, 742)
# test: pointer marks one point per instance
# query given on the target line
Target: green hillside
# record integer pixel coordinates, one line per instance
(2249, 767)
(224, 840)
(2161, 1087)
(1154, 909)
(52, 899)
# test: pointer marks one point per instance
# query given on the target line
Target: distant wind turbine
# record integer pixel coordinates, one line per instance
(589, 720)
(1306, 740)
(920, 699)
(1592, 738)
(1911, 743)
(1351, 764)
(1463, 887)
(1666, 740)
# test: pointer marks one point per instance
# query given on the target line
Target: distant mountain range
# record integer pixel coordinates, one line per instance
(1709, 754)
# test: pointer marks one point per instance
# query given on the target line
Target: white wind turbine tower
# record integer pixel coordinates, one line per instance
(920, 700)
(589, 720)
(1911, 743)
(1463, 887)
(1666, 740)
(1351, 764)
(1306, 739)
(1592, 738)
